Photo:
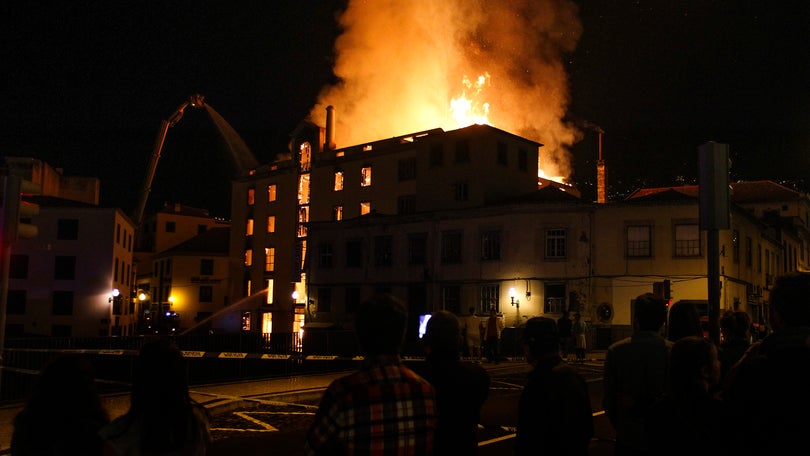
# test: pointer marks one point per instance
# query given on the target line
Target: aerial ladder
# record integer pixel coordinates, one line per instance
(195, 101)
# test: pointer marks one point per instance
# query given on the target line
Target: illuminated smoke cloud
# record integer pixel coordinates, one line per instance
(400, 64)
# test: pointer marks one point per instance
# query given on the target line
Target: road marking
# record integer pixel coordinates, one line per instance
(266, 427)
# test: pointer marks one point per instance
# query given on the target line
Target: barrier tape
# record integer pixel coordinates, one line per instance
(211, 354)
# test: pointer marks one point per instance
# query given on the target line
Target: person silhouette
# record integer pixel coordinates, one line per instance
(554, 409)
(472, 335)
(64, 412)
(689, 419)
(564, 327)
(461, 387)
(683, 319)
(162, 417)
(774, 419)
(384, 407)
(636, 374)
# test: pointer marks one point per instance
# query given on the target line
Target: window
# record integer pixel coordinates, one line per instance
(249, 227)
(462, 151)
(337, 213)
(451, 298)
(759, 257)
(749, 251)
(687, 240)
(117, 233)
(365, 207)
(555, 243)
(407, 169)
(502, 153)
(115, 270)
(271, 223)
(303, 189)
(248, 257)
(406, 204)
(206, 266)
(490, 297)
(16, 302)
(67, 229)
(461, 191)
(383, 250)
(324, 299)
(523, 160)
(451, 247)
(436, 155)
(251, 196)
(638, 241)
(365, 176)
(62, 303)
(491, 245)
(303, 218)
(352, 299)
(555, 299)
(269, 259)
(206, 293)
(61, 331)
(325, 255)
(271, 193)
(417, 248)
(18, 267)
(338, 181)
(354, 253)
(170, 227)
(65, 267)
(735, 246)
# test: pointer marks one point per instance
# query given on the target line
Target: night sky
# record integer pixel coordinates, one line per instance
(87, 84)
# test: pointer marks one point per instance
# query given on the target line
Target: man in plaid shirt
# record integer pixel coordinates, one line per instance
(384, 408)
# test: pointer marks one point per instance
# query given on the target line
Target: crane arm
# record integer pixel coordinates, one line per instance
(196, 101)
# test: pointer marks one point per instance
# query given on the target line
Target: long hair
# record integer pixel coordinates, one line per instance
(160, 400)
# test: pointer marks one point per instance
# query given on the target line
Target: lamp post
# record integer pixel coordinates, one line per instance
(516, 305)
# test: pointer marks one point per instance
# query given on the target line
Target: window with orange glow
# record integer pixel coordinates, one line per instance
(248, 257)
(365, 207)
(271, 193)
(249, 227)
(365, 176)
(251, 196)
(337, 213)
(270, 259)
(271, 223)
(303, 189)
(338, 181)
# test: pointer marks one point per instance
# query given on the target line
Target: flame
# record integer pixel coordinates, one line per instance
(408, 81)
(469, 111)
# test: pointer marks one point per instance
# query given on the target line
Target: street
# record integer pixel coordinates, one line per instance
(264, 423)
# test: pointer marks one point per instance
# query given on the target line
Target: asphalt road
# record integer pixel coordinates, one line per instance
(266, 425)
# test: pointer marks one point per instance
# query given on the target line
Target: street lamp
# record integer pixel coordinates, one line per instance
(113, 295)
(515, 304)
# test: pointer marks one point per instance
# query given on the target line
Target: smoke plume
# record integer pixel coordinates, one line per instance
(401, 62)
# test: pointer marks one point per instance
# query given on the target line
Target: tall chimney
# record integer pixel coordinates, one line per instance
(329, 143)
(601, 177)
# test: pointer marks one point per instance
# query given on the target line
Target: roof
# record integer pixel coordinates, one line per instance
(742, 192)
(762, 191)
(214, 241)
(179, 209)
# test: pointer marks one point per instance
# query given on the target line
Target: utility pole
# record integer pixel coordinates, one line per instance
(714, 216)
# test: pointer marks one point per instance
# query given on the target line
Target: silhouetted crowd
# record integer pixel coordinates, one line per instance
(668, 390)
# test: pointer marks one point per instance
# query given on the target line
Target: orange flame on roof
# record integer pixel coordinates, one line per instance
(398, 64)
(468, 111)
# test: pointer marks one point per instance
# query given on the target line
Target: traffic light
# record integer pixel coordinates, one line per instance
(16, 217)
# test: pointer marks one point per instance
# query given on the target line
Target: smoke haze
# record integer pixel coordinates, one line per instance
(400, 63)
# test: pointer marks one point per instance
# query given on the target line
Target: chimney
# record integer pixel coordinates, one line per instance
(329, 143)
(601, 176)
